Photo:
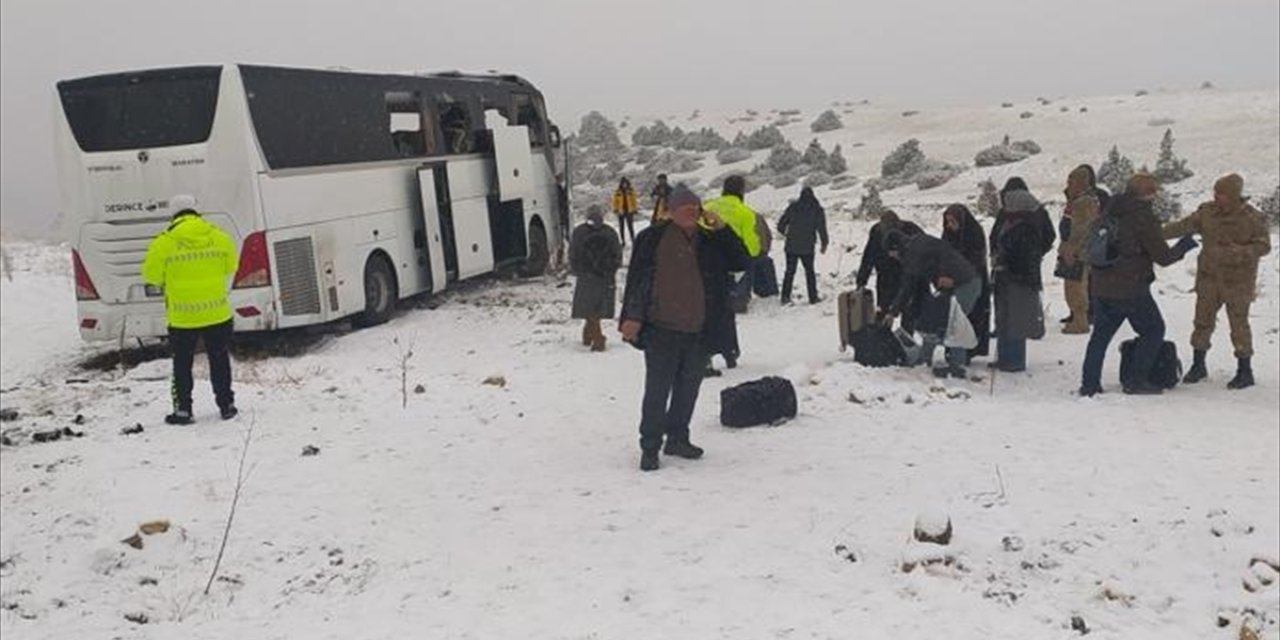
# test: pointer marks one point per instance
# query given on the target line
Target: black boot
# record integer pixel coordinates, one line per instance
(180, 417)
(1244, 375)
(682, 449)
(1197, 371)
(1071, 317)
(649, 460)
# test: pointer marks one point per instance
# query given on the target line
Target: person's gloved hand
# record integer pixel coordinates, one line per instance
(1185, 244)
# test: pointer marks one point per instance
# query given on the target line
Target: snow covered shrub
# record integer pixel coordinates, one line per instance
(730, 155)
(828, 121)
(656, 135)
(597, 131)
(907, 165)
(702, 140)
(1170, 168)
(1115, 171)
(783, 157)
(765, 137)
(988, 199)
(1167, 207)
(871, 205)
(1006, 153)
(817, 179)
(905, 159)
(1269, 206)
(844, 181)
(673, 162)
(815, 155)
(836, 163)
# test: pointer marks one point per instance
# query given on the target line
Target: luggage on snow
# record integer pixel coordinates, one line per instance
(1165, 373)
(854, 310)
(764, 401)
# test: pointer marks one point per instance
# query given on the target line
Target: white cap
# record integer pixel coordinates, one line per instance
(182, 202)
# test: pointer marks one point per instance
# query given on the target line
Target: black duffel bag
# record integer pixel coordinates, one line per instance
(765, 401)
(875, 346)
(1165, 373)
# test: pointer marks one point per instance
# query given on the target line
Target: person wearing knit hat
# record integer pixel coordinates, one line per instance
(1235, 238)
(1122, 291)
(675, 309)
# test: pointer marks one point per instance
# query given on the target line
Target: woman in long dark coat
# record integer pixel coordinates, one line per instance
(1020, 238)
(595, 255)
(963, 232)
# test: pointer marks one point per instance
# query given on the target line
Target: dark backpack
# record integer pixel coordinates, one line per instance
(875, 345)
(1101, 247)
(1165, 373)
(765, 401)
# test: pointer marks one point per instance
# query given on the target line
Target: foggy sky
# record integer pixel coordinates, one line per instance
(639, 56)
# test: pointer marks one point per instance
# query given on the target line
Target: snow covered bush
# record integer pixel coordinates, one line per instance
(817, 179)
(988, 199)
(597, 131)
(783, 157)
(673, 162)
(1115, 171)
(844, 181)
(871, 205)
(702, 140)
(730, 155)
(766, 137)
(828, 121)
(656, 135)
(1269, 206)
(1167, 207)
(815, 155)
(836, 163)
(1170, 168)
(1006, 153)
(908, 165)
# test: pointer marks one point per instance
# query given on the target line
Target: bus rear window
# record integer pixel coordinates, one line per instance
(161, 108)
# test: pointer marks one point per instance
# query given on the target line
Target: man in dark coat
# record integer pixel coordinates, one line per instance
(888, 271)
(676, 310)
(803, 223)
(928, 261)
(595, 254)
(1020, 238)
(965, 234)
(1122, 291)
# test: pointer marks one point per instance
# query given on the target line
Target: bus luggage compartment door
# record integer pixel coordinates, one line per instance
(431, 215)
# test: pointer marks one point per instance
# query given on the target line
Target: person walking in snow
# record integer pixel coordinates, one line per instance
(887, 270)
(1020, 238)
(1235, 238)
(927, 261)
(965, 234)
(1122, 291)
(192, 261)
(625, 206)
(660, 193)
(675, 310)
(1085, 200)
(595, 255)
(804, 223)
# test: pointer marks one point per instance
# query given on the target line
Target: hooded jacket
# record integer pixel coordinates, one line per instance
(192, 260)
(804, 223)
(740, 218)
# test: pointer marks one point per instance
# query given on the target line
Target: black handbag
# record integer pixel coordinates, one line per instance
(1073, 272)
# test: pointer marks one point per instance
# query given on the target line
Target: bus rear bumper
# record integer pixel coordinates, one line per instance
(108, 322)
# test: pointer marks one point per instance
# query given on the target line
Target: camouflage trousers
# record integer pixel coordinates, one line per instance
(1077, 294)
(1209, 301)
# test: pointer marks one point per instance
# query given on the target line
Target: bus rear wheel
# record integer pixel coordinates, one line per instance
(380, 292)
(539, 254)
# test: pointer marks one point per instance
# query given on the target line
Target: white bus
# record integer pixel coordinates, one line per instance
(344, 191)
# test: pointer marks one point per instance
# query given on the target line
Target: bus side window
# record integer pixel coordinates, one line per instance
(527, 115)
(408, 135)
(455, 125)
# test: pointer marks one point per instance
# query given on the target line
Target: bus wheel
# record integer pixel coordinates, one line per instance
(379, 292)
(539, 255)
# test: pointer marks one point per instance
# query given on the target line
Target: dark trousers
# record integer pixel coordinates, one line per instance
(674, 365)
(627, 226)
(1143, 314)
(217, 342)
(810, 277)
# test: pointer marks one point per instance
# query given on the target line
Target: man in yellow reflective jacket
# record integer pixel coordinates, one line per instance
(193, 261)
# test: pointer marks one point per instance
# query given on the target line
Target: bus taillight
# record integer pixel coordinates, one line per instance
(255, 266)
(84, 285)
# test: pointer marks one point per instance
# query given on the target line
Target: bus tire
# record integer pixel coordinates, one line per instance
(380, 292)
(539, 254)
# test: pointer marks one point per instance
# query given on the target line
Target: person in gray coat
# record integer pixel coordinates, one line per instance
(595, 255)
(804, 223)
(1020, 238)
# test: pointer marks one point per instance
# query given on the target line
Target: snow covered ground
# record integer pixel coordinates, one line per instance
(516, 511)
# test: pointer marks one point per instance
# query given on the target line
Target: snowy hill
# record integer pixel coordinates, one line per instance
(515, 510)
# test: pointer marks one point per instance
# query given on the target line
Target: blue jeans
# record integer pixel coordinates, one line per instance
(1143, 314)
(1011, 352)
(967, 296)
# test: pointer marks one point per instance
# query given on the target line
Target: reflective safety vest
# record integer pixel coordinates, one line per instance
(739, 217)
(193, 260)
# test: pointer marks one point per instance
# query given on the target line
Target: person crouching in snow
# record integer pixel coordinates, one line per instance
(927, 260)
(675, 310)
(595, 254)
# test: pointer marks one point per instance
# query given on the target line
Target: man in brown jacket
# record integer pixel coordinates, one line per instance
(1235, 237)
(1082, 210)
(1122, 291)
